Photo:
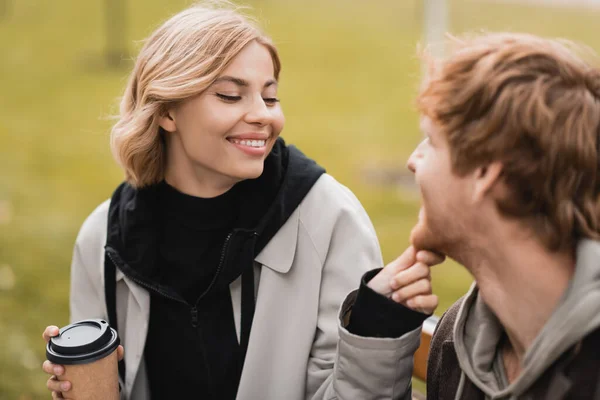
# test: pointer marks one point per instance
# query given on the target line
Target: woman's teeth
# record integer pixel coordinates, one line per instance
(250, 143)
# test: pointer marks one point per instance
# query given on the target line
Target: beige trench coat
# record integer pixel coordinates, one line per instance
(306, 279)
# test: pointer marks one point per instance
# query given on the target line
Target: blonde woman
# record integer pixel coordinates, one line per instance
(225, 257)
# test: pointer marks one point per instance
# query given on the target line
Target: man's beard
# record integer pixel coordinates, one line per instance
(425, 235)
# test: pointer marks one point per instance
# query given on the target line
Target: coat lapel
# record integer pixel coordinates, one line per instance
(279, 253)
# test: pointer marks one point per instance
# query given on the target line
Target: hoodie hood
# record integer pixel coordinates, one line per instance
(477, 332)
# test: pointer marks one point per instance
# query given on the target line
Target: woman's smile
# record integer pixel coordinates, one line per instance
(253, 144)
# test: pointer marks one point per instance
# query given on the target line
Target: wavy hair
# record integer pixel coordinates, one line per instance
(532, 104)
(181, 59)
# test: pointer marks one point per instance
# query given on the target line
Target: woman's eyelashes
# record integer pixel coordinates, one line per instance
(228, 98)
(232, 99)
(271, 100)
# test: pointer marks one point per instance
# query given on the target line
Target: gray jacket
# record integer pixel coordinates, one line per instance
(305, 277)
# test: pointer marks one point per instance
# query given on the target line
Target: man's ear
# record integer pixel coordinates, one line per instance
(167, 121)
(486, 178)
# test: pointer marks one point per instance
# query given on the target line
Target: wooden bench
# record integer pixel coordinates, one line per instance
(420, 360)
(420, 370)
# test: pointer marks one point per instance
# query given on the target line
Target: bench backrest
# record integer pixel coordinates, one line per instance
(420, 369)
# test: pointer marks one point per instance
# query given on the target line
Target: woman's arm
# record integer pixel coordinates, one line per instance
(345, 365)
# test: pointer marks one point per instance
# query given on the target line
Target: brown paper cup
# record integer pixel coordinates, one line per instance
(88, 351)
(96, 381)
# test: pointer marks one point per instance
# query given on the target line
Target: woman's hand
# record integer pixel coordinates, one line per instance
(407, 280)
(55, 370)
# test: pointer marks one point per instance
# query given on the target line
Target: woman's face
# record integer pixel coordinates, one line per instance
(223, 135)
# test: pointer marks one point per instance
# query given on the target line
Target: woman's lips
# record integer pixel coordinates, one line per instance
(253, 147)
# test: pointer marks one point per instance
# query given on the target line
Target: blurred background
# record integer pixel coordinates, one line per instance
(350, 74)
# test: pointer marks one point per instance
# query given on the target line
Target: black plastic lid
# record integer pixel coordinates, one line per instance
(82, 342)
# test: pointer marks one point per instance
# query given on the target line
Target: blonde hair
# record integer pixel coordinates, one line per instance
(534, 105)
(181, 59)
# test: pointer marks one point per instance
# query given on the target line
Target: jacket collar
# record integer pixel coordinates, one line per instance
(279, 253)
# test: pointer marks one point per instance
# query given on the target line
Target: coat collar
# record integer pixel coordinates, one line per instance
(279, 253)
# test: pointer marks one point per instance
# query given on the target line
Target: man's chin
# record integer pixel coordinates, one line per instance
(422, 238)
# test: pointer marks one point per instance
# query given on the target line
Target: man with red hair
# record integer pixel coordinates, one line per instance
(510, 183)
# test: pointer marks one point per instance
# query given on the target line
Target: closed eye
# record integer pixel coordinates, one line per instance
(227, 98)
(270, 100)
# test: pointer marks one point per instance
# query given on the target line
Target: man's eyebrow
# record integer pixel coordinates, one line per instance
(241, 82)
(425, 128)
(424, 131)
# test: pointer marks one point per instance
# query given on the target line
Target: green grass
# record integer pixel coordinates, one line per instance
(349, 77)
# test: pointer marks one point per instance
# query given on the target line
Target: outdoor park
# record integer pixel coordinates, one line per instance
(350, 74)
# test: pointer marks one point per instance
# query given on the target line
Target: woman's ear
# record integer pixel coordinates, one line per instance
(167, 122)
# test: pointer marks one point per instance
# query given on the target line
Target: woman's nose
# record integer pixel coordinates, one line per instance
(258, 113)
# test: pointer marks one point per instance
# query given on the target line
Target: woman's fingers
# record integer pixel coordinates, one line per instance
(430, 258)
(381, 282)
(53, 369)
(412, 288)
(409, 280)
(406, 277)
(57, 396)
(406, 293)
(425, 304)
(405, 260)
(50, 332)
(55, 385)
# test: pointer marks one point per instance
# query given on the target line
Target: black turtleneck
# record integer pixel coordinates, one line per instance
(193, 231)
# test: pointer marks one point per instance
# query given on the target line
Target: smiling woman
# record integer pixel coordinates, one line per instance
(196, 97)
(222, 136)
(225, 257)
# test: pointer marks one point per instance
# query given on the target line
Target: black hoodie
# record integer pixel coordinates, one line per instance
(192, 346)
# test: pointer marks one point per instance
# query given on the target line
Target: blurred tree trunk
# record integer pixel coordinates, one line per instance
(4, 6)
(435, 22)
(116, 32)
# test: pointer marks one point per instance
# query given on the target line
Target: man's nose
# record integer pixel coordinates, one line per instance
(411, 163)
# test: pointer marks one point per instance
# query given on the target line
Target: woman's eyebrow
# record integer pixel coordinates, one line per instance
(237, 81)
(242, 82)
(270, 82)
